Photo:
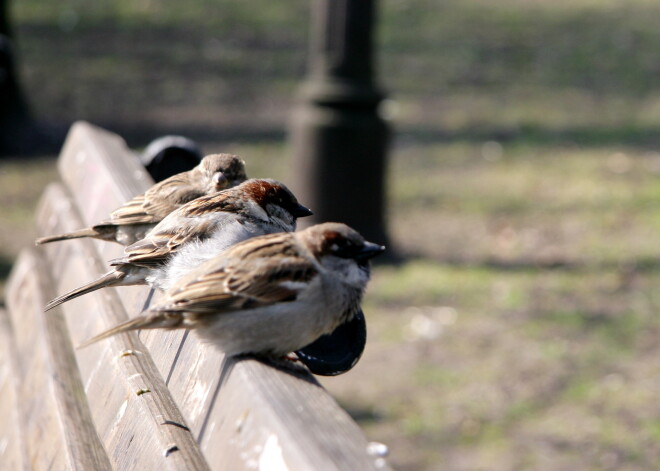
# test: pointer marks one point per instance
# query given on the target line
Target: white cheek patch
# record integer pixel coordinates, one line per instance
(347, 269)
(257, 211)
(357, 276)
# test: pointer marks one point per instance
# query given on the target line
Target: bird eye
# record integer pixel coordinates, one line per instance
(344, 249)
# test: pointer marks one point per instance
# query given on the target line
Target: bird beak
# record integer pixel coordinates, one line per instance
(220, 180)
(300, 211)
(369, 250)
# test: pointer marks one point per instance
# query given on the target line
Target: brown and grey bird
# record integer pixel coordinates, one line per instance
(269, 295)
(135, 218)
(197, 231)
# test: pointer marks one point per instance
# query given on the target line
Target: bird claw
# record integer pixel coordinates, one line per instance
(292, 357)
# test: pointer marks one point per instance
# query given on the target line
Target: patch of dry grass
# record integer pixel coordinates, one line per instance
(522, 333)
(21, 184)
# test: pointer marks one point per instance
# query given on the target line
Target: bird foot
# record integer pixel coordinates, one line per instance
(292, 357)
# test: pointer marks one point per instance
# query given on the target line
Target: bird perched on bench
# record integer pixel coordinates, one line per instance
(197, 231)
(135, 218)
(269, 295)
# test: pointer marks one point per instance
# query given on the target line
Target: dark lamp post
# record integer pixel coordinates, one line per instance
(339, 139)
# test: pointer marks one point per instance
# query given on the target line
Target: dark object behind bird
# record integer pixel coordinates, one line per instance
(169, 155)
(338, 352)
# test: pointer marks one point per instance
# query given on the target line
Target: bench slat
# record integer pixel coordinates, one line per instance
(37, 408)
(58, 430)
(13, 448)
(134, 412)
(244, 414)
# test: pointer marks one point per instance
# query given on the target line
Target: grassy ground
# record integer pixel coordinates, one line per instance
(521, 330)
(522, 334)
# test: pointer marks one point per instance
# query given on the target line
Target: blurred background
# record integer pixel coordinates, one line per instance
(519, 330)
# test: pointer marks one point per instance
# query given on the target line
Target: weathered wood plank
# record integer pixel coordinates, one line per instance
(49, 334)
(12, 445)
(243, 413)
(302, 427)
(37, 406)
(134, 412)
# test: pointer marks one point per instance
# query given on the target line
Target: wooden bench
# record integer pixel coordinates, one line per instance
(152, 400)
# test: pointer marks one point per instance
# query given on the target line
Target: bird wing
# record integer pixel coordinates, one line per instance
(159, 201)
(258, 272)
(247, 277)
(192, 221)
(163, 242)
(223, 201)
(131, 212)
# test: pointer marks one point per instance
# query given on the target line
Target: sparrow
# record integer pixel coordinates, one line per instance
(269, 295)
(135, 218)
(197, 231)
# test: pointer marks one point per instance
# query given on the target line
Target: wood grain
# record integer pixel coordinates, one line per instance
(159, 400)
(46, 337)
(13, 448)
(134, 413)
(55, 431)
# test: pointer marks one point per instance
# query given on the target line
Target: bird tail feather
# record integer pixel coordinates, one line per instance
(87, 232)
(109, 279)
(153, 320)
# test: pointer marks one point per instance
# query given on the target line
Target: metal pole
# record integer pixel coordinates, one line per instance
(339, 139)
